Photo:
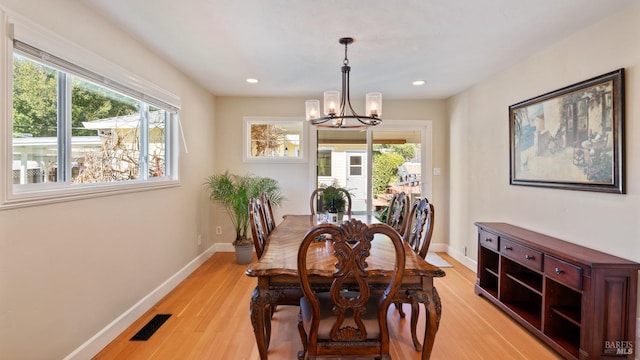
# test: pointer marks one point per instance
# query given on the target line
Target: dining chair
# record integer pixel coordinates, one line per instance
(317, 193)
(259, 236)
(268, 213)
(398, 211)
(351, 318)
(258, 225)
(417, 235)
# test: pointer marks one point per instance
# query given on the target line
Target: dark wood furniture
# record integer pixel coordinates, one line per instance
(258, 225)
(277, 272)
(419, 226)
(398, 211)
(350, 319)
(270, 221)
(314, 200)
(577, 300)
(417, 235)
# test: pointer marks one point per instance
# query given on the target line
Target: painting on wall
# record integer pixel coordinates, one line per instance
(571, 138)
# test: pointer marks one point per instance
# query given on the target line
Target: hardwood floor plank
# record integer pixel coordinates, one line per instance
(211, 321)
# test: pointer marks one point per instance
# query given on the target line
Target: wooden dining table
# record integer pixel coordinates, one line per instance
(277, 273)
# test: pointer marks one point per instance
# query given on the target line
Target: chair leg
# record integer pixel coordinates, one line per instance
(303, 338)
(399, 308)
(273, 309)
(415, 313)
(267, 325)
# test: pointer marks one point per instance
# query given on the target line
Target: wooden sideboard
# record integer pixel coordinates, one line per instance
(580, 301)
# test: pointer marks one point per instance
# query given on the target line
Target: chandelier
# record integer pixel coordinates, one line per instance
(337, 103)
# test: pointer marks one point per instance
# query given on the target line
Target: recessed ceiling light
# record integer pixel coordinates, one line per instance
(252, 81)
(418, 82)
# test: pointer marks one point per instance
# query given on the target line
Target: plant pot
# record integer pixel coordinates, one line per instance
(244, 254)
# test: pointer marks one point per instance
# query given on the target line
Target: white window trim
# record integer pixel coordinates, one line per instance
(15, 26)
(246, 140)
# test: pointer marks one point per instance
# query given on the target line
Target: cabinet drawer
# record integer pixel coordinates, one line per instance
(563, 272)
(522, 254)
(488, 240)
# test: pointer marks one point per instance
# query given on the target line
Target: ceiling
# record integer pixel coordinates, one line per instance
(291, 46)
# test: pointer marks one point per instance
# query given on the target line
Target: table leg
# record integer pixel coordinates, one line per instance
(260, 311)
(256, 310)
(433, 307)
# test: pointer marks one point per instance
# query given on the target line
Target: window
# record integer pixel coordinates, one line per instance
(355, 165)
(75, 133)
(324, 162)
(274, 140)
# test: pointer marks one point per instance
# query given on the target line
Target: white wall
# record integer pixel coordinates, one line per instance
(479, 148)
(296, 179)
(67, 270)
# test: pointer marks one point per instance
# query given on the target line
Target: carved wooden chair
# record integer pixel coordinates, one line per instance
(417, 234)
(398, 212)
(315, 195)
(268, 213)
(259, 235)
(351, 318)
(258, 225)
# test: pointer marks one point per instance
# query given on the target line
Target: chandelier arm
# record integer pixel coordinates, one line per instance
(366, 120)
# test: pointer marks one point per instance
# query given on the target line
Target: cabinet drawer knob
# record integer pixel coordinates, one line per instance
(559, 271)
(488, 240)
(528, 257)
(508, 248)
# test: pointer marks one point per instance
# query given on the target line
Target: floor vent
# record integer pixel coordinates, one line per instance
(152, 326)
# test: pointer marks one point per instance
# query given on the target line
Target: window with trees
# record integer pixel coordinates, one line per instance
(76, 133)
(274, 139)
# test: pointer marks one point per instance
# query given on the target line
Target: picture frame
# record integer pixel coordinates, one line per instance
(571, 138)
(274, 139)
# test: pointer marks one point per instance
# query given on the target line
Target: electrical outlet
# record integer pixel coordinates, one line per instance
(199, 240)
(218, 230)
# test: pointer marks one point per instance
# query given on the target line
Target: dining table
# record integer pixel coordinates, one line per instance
(277, 273)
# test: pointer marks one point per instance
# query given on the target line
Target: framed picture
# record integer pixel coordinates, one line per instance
(571, 138)
(274, 140)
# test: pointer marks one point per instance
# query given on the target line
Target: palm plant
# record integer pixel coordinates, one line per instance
(233, 193)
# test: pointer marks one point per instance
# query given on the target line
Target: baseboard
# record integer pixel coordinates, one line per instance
(438, 247)
(96, 343)
(466, 261)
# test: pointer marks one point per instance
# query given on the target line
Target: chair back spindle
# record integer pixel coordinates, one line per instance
(257, 225)
(398, 212)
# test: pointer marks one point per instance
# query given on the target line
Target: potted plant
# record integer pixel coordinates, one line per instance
(334, 196)
(233, 193)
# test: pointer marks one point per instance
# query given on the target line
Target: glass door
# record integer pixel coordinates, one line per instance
(341, 162)
(397, 166)
(374, 163)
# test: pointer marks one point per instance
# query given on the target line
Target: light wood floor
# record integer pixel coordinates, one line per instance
(211, 321)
